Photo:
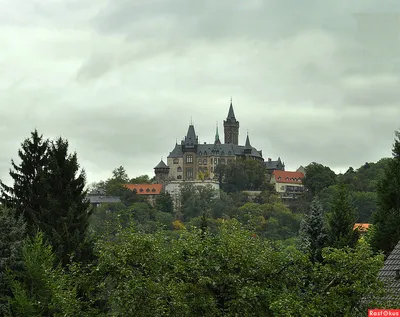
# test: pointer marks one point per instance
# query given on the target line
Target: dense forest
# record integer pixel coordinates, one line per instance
(219, 253)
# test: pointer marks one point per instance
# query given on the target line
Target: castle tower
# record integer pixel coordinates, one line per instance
(247, 147)
(231, 128)
(217, 140)
(162, 172)
(189, 149)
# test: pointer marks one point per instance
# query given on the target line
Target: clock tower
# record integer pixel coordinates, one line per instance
(231, 128)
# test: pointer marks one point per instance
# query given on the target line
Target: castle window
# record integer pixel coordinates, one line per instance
(229, 161)
(222, 153)
(222, 161)
(141, 190)
(189, 158)
(215, 161)
(204, 161)
(153, 190)
(199, 153)
(179, 169)
(205, 152)
(200, 161)
(189, 172)
(148, 190)
(176, 161)
(179, 177)
(229, 153)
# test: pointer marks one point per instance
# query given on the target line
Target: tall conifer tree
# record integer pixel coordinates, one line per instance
(313, 231)
(65, 220)
(341, 221)
(386, 220)
(27, 197)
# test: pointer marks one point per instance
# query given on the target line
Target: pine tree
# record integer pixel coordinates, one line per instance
(313, 232)
(12, 233)
(341, 221)
(66, 217)
(26, 196)
(386, 220)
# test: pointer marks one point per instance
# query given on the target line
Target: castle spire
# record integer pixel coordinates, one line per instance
(217, 140)
(247, 145)
(231, 113)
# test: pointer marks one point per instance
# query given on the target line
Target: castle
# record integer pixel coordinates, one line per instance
(192, 160)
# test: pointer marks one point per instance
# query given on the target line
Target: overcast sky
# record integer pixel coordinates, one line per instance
(311, 80)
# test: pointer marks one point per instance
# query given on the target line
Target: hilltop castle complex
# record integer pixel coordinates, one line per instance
(192, 160)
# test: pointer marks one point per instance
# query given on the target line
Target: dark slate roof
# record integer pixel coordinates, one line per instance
(176, 152)
(98, 199)
(221, 149)
(161, 165)
(224, 149)
(191, 138)
(231, 114)
(247, 145)
(273, 164)
(388, 274)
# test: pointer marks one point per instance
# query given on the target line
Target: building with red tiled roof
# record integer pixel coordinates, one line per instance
(363, 227)
(151, 191)
(288, 184)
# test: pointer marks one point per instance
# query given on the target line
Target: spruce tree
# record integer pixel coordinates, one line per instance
(386, 220)
(27, 197)
(66, 217)
(341, 221)
(313, 232)
(12, 234)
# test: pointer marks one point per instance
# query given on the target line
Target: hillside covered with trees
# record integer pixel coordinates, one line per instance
(226, 253)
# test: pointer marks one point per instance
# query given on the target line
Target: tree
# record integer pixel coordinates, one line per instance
(142, 179)
(41, 288)
(164, 203)
(341, 221)
(242, 175)
(313, 231)
(65, 219)
(386, 220)
(318, 177)
(12, 234)
(26, 195)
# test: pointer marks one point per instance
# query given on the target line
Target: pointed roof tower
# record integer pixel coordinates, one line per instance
(247, 147)
(161, 165)
(231, 113)
(217, 140)
(191, 140)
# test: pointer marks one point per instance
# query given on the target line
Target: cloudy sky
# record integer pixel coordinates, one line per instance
(311, 80)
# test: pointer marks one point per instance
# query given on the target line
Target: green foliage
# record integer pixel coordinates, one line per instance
(242, 175)
(318, 177)
(40, 288)
(341, 221)
(313, 231)
(65, 218)
(387, 218)
(231, 272)
(272, 221)
(26, 196)
(12, 233)
(143, 179)
(195, 200)
(164, 203)
(366, 177)
(49, 193)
